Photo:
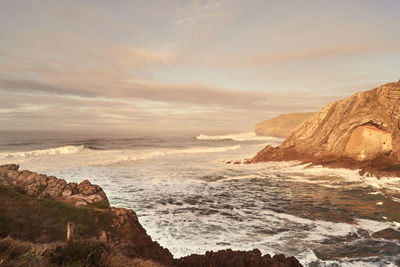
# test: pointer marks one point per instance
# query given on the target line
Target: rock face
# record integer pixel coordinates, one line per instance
(366, 142)
(281, 125)
(129, 237)
(359, 129)
(44, 186)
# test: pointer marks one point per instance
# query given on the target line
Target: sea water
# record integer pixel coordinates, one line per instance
(190, 201)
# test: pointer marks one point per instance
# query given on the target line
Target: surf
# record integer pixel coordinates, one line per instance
(62, 150)
(249, 136)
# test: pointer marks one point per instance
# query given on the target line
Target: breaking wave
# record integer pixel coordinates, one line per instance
(74, 156)
(250, 136)
(51, 151)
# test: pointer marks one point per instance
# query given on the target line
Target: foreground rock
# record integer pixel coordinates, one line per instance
(29, 212)
(44, 220)
(44, 186)
(237, 259)
(361, 131)
(281, 125)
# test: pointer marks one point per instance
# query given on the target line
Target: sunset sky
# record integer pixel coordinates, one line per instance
(201, 66)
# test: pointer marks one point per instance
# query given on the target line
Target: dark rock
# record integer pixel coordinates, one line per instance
(235, 259)
(387, 233)
(131, 238)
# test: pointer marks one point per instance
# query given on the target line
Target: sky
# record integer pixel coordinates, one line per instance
(195, 66)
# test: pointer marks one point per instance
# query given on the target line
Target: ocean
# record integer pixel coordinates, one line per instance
(190, 200)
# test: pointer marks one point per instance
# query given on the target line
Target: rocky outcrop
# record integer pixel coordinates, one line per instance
(44, 186)
(130, 238)
(122, 232)
(281, 125)
(117, 228)
(236, 258)
(356, 131)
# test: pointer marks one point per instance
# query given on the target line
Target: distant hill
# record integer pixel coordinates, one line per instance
(281, 125)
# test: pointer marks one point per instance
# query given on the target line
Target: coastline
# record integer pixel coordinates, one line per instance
(120, 230)
(359, 132)
(380, 166)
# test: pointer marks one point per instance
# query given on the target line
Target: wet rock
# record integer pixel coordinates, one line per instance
(236, 258)
(387, 233)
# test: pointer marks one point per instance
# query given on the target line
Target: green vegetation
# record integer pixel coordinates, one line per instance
(44, 220)
(33, 233)
(81, 253)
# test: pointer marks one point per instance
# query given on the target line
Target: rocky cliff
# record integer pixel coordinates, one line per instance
(281, 125)
(362, 131)
(37, 207)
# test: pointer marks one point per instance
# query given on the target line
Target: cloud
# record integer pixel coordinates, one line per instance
(174, 64)
(190, 94)
(27, 110)
(310, 54)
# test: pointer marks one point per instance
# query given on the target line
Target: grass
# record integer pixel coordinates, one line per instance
(33, 233)
(81, 253)
(31, 219)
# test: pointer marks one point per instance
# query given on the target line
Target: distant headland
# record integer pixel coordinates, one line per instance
(282, 125)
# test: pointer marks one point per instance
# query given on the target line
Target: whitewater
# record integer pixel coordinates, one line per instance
(190, 200)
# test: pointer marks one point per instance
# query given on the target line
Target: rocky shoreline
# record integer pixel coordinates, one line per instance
(360, 132)
(380, 166)
(116, 228)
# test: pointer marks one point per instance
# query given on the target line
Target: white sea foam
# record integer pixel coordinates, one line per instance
(395, 199)
(75, 156)
(250, 176)
(205, 149)
(250, 136)
(133, 155)
(334, 177)
(374, 226)
(173, 202)
(51, 151)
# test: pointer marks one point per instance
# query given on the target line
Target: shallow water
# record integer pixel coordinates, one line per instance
(190, 201)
